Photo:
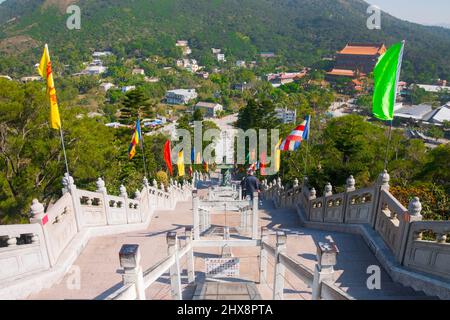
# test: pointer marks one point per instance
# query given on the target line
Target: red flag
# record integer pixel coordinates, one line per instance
(263, 164)
(45, 220)
(167, 157)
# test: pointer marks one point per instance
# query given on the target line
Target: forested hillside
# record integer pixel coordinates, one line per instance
(300, 31)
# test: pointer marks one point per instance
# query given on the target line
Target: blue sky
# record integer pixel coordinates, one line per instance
(420, 11)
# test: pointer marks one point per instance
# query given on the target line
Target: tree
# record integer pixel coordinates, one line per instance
(135, 105)
(198, 115)
(436, 133)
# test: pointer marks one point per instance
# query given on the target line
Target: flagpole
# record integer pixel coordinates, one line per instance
(307, 146)
(400, 60)
(142, 149)
(64, 150)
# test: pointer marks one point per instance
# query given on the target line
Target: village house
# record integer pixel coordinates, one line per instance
(128, 88)
(180, 96)
(216, 51)
(188, 64)
(267, 55)
(221, 57)
(100, 54)
(183, 44)
(286, 115)
(106, 86)
(209, 109)
(138, 71)
(30, 79)
(278, 79)
(240, 63)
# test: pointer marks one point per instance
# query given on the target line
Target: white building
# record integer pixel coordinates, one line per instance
(216, 51)
(240, 63)
(138, 71)
(221, 57)
(442, 114)
(106, 86)
(188, 64)
(286, 115)
(180, 96)
(30, 78)
(128, 88)
(94, 70)
(433, 88)
(100, 54)
(209, 109)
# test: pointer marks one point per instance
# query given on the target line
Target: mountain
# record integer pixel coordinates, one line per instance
(299, 31)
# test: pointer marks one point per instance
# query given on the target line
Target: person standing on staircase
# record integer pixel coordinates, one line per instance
(251, 184)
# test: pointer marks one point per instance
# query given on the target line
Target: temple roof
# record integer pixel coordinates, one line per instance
(363, 49)
(344, 72)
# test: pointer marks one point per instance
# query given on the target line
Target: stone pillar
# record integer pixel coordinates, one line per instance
(279, 272)
(312, 196)
(123, 193)
(130, 258)
(37, 215)
(69, 185)
(382, 184)
(101, 188)
(195, 213)
(413, 214)
(328, 190)
(263, 256)
(350, 185)
(175, 278)
(324, 270)
(255, 216)
(190, 256)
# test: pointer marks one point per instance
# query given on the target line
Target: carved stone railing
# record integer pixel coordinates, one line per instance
(49, 239)
(376, 209)
(429, 254)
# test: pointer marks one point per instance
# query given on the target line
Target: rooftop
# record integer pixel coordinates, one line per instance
(207, 104)
(363, 49)
(344, 72)
(419, 112)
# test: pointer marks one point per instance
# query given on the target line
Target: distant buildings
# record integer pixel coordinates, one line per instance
(242, 86)
(433, 88)
(209, 109)
(30, 79)
(180, 96)
(101, 54)
(240, 64)
(424, 113)
(267, 55)
(138, 71)
(94, 70)
(278, 79)
(203, 74)
(220, 57)
(151, 79)
(106, 86)
(128, 88)
(356, 60)
(286, 115)
(183, 44)
(188, 64)
(216, 51)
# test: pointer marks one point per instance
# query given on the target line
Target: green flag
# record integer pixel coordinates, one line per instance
(387, 73)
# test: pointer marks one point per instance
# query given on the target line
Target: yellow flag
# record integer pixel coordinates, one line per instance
(278, 156)
(45, 70)
(180, 163)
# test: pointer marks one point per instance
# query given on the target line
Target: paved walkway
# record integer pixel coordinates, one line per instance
(99, 262)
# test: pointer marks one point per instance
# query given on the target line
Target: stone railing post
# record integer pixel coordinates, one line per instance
(101, 188)
(311, 197)
(279, 272)
(190, 256)
(130, 259)
(324, 270)
(123, 193)
(255, 216)
(349, 187)
(382, 184)
(175, 278)
(196, 214)
(413, 214)
(146, 189)
(37, 215)
(69, 185)
(263, 256)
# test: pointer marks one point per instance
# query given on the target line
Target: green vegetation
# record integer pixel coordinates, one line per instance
(300, 32)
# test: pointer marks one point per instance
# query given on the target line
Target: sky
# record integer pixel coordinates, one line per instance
(430, 12)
